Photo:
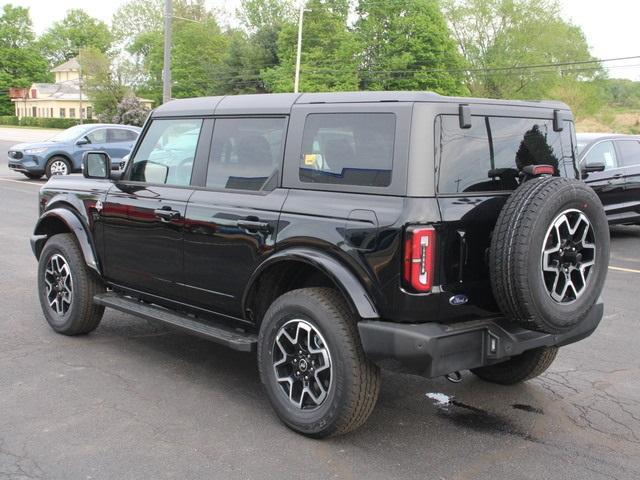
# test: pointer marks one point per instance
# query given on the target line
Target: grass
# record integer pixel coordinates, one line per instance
(611, 120)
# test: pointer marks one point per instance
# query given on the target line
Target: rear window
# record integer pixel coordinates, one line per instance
(630, 152)
(489, 156)
(348, 149)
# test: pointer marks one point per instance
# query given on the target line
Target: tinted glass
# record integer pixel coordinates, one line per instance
(121, 135)
(602, 152)
(629, 152)
(348, 149)
(489, 156)
(246, 153)
(167, 152)
(98, 136)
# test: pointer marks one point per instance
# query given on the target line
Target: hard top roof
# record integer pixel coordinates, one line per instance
(281, 103)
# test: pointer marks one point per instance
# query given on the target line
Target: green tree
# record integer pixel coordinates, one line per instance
(501, 38)
(102, 83)
(77, 30)
(20, 61)
(329, 51)
(196, 53)
(254, 47)
(407, 46)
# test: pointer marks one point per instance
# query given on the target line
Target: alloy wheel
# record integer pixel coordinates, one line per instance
(302, 364)
(59, 284)
(59, 167)
(568, 256)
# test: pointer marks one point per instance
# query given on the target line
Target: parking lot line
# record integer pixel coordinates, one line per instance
(628, 270)
(21, 182)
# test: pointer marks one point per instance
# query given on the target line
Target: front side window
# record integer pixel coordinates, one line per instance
(246, 153)
(489, 156)
(603, 152)
(348, 149)
(629, 152)
(167, 152)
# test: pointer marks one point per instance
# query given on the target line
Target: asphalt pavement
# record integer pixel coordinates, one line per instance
(135, 400)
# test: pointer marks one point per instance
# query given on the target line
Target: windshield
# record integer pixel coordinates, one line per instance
(70, 134)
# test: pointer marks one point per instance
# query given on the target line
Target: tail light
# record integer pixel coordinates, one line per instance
(419, 258)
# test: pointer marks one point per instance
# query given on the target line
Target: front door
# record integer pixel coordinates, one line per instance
(120, 141)
(608, 184)
(144, 214)
(630, 158)
(232, 222)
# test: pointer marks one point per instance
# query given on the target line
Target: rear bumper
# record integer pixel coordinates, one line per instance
(433, 349)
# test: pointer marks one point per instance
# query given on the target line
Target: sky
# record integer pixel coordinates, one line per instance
(609, 26)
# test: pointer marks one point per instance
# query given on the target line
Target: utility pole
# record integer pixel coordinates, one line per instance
(296, 83)
(80, 81)
(166, 71)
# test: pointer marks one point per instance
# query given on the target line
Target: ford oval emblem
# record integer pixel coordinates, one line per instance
(459, 299)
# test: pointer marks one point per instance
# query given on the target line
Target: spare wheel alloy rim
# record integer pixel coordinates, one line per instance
(568, 256)
(302, 364)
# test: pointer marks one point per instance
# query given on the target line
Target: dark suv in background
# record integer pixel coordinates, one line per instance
(336, 233)
(613, 164)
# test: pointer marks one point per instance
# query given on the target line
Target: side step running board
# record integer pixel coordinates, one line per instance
(244, 342)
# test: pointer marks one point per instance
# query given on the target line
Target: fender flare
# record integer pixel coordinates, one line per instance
(350, 286)
(74, 225)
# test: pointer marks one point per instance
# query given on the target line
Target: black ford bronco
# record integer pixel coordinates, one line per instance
(337, 233)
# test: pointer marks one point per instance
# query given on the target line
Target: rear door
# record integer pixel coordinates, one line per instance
(477, 170)
(629, 151)
(144, 214)
(232, 219)
(610, 183)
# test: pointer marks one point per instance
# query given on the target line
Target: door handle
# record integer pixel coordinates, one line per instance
(254, 225)
(618, 175)
(167, 214)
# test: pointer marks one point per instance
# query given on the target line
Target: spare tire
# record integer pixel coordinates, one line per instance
(549, 254)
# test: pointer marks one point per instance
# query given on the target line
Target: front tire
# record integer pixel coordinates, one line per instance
(312, 365)
(57, 166)
(521, 368)
(66, 287)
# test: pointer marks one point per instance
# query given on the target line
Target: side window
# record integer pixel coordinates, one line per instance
(116, 135)
(603, 152)
(98, 136)
(629, 152)
(489, 156)
(246, 153)
(167, 152)
(348, 149)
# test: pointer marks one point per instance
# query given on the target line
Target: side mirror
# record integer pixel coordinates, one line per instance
(593, 167)
(82, 141)
(96, 165)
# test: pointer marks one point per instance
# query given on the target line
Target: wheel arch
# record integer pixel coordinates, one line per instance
(64, 220)
(284, 267)
(63, 155)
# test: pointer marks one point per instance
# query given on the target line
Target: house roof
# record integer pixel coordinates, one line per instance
(71, 64)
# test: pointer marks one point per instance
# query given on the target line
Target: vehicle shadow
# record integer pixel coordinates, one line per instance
(624, 231)
(403, 409)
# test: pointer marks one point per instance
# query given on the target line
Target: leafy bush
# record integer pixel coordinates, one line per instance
(41, 122)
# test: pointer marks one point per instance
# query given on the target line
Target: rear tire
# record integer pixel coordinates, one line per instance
(57, 166)
(315, 326)
(66, 287)
(518, 369)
